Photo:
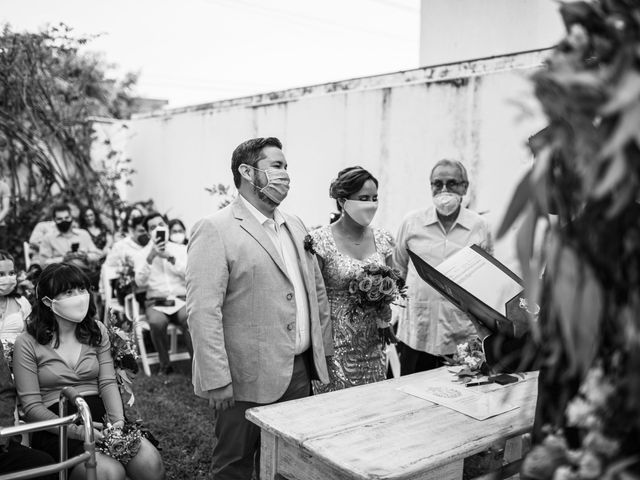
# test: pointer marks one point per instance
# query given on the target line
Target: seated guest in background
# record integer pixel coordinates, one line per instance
(177, 232)
(90, 221)
(39, 233)
(14, 456)
(14, 308)
(431, 326)
(64, 346)
(67, 243)
(160, 267)
(343, 248)
(132, 244)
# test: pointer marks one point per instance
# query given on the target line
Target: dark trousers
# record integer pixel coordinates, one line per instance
(158, 323)
(17, 457)
(237, 448)
(414, 361)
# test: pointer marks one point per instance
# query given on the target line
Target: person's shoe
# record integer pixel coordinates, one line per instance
(166, 369)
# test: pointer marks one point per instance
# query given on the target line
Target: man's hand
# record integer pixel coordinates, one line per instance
(221, 398)
(160, 250)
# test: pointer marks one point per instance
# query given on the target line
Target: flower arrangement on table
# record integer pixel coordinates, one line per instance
(470, 357)
(372, 291)
(125, 282)
(125, 356)
(120, 443)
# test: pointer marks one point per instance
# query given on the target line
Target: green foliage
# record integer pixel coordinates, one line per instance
(48, 92)
(587, 173)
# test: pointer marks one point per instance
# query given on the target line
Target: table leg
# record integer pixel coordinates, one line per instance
(513, 452)
(268, 456)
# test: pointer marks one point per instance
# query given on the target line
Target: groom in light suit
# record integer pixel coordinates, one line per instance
(257, 306)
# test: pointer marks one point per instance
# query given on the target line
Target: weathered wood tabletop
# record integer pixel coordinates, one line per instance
(379, 432)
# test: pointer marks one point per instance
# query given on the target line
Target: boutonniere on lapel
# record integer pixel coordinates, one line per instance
(309, 244)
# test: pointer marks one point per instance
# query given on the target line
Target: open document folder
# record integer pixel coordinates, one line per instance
(480, 285)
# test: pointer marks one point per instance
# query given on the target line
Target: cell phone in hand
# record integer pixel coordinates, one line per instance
(75, 246)
(161, 235)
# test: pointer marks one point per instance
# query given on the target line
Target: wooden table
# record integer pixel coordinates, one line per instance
(378, 432)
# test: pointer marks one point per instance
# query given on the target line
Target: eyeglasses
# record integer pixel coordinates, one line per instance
(450, 184)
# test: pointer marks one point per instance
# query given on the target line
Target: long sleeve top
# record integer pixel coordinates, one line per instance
(162, 278)
(40, 374)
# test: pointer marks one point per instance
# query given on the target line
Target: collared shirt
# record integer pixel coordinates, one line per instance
(278, 233)
(117, 256)
(41, 231)
(431, 323)
(162, 278)
(57, 244)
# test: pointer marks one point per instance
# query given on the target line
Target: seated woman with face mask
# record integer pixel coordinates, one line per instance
(343, 248)
(14, 308)
(65, 346)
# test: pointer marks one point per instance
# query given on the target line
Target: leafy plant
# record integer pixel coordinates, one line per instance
(49, 91)
(587, 173)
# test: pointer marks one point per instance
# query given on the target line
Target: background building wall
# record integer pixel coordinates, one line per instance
(457, 30)
(395, 125)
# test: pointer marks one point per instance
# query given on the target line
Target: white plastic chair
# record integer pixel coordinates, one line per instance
(140, 324)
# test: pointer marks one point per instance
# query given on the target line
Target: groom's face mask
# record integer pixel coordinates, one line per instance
(276, 186)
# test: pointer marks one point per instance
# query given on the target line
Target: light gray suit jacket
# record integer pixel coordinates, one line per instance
(241, 309)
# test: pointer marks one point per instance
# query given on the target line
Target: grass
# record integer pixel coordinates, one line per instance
(182, 422)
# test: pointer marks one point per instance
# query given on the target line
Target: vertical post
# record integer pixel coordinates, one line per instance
(89, 440)
(268, 456)
(62, 411)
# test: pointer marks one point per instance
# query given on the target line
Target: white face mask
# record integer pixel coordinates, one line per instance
(362, 212)
(73, 308)
(178, 237)
(7, 284)
(447, 203)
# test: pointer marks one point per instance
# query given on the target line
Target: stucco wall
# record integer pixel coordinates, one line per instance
(456, 30)
(395, 125)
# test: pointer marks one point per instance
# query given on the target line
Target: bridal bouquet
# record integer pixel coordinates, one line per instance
(125, 356)
(120, 443)
(374, 288)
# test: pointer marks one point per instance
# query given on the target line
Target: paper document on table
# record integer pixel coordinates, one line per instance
(172, 309)
(480, 277)
(475, 404)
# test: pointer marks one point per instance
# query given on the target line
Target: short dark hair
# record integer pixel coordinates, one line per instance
(60, 207)
(151, 216)
(249, 153)
(349, 181)
(54, 279)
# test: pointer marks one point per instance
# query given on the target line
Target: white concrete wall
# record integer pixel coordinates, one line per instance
(457, 30)
(397, 126)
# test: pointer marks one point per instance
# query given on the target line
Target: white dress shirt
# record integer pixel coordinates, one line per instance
(162, 278)
(278, 233)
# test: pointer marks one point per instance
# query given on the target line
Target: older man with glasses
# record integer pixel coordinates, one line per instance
(431, 327)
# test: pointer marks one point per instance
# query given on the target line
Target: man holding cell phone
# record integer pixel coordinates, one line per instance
(160, 267)
(67, 243)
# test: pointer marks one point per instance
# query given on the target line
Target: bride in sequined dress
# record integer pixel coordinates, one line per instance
(343, 248)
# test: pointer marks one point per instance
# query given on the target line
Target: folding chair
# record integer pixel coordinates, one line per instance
(140, 324)
(68, 394)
